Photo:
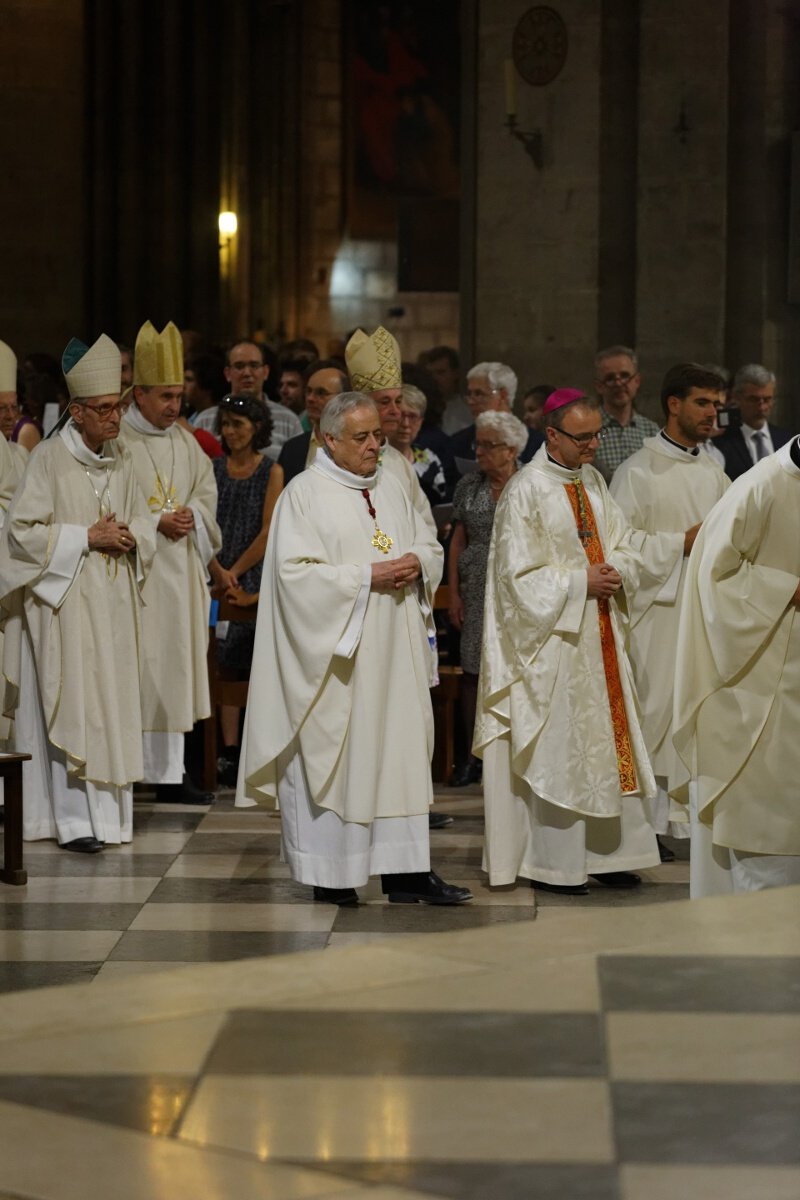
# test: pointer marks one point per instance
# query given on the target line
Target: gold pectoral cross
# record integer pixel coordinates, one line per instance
(381, 541)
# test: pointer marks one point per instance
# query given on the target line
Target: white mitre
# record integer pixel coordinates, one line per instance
(8, 369)
(92, 372)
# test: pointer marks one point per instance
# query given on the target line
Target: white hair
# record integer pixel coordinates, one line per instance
(499, 376)
(512, 431)
(337, 408)
(752, 375)
(414, 399)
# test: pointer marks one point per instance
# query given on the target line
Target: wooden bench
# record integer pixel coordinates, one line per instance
(11, 774)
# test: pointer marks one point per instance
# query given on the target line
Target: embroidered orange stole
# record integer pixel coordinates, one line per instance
(590, 539)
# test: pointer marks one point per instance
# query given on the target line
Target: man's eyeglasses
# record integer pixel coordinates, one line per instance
(10, 410)
(583, 439)
(619, 377)
(104, 411)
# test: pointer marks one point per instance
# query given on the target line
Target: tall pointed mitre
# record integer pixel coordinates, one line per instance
(92, 371)
(8, 369)
(158, 357)
(373, 362)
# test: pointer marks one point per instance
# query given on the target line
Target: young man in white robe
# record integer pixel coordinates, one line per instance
(737, 684)
(76, 546)
(666, 490)
(178, 483)
(565, 764)
(339, 729)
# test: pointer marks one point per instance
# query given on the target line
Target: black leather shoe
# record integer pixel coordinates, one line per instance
(182, 793)
(85, 845)
(472, 772)
(618, 879)
(344, 897)
(561, 889)
(439, 820)
(664, 852)
(425, 887)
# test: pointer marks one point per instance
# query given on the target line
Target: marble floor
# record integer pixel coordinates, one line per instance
(611, 1047)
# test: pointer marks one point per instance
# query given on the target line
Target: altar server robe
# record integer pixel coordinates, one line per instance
(544, 722)
(341, 673)
(663, 491)
(737, 683)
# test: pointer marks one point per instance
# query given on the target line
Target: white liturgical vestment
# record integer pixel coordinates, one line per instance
(737, 684)
(565, 765)
(72, 631)
(339, 730)
(663, 490)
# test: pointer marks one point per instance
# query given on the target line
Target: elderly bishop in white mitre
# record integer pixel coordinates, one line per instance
(338, 730)
(74, 552)
(176, 477)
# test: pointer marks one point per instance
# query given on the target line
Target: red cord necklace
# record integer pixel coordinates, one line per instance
(381, 541)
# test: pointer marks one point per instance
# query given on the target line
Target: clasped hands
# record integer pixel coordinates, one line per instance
(176, 525)
(110, 536)
(603, 581)
(395, 573)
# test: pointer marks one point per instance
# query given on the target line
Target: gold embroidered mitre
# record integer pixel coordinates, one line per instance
(158, 357)
(92, 371)
(373, 362)
(8, 369)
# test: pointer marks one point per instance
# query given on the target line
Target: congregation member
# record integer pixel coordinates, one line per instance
(178, 483)
(500, 438)
(753, 392)
(565, 766)
(617, 382)
(204, 385)
(247, 372)
(666, 490)
(338, 729)
(443, 365)
(323, 380)
(426, 463)
(291, 387)
(737, 684)
(243, 515)
(74, 553)
(532, 406)
(491, 387)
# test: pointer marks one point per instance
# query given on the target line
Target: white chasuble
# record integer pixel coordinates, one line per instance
(341, 673)
(173, 472)
(556, 693)
(663, 491)
(737, 683)
(72, 629)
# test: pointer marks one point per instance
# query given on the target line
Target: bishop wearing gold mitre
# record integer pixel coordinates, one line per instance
(178, 483)
(74, 554)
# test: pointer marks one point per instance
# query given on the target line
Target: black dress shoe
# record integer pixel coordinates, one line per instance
(472, 772)
(439, 820)
(618, 879)
(422, 887)
(664, 852)
(561, 889)
(84, 845)
(182, 793)
(344, 897)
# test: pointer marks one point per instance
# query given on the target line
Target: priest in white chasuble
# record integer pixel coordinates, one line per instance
(339, 730)
(737, 684)
(75, 549)
(565, 764)
(666, 490)
(178, 482)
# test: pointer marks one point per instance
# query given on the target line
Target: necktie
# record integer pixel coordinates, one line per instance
(760, 443)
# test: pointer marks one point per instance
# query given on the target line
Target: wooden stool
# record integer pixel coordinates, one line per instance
(11, 774)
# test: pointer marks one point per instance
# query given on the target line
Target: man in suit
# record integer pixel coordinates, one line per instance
(491, 386)
(754, 393)
(323, 380)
